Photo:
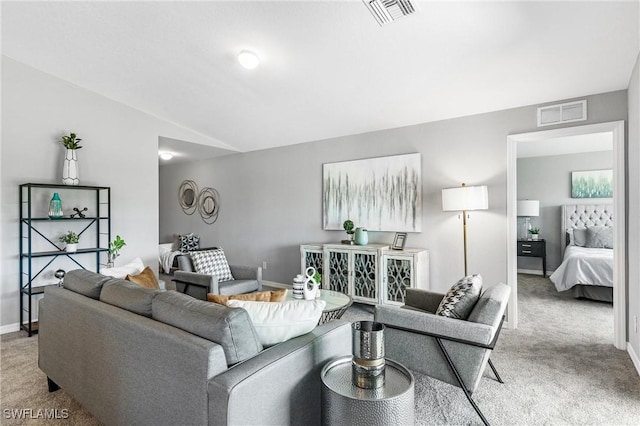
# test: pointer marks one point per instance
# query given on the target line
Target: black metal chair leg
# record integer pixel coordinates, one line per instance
(495, 371)
(459, 379)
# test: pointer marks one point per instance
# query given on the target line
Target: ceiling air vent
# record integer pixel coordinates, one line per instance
(562, 113)
(386, 11)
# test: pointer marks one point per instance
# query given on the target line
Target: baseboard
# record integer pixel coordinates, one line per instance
(10, 328)
(634, 357)
(534, 272)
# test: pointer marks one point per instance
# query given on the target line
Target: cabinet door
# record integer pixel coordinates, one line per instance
(312, 257)
(365, 271)
(399, 274)
(338, 271)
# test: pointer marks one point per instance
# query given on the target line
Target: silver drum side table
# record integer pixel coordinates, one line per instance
(343, 403)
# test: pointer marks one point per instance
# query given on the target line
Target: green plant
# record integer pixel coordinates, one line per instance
(534, 230)
(115, 246)
(318, 277)
(348, 226)
(71, 141)
(70, 238)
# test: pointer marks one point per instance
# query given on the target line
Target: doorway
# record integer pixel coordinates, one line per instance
(616, 129)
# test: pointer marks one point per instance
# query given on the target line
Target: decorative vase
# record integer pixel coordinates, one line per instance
(298, 287)
(362, 237)
(55, 207)
(70, 174)
(368, 364)
(310, 284)
(71, 248)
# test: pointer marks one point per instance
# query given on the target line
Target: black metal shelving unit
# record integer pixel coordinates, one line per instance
(32, 226)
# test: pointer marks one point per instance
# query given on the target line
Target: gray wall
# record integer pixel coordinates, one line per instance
(271, 200)
(548, 179)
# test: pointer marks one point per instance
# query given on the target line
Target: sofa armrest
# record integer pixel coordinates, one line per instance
(208, 282)
(284, 380)
(424, 300)
(246, 273)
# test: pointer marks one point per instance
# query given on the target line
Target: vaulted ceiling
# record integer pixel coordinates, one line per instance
(327, 68)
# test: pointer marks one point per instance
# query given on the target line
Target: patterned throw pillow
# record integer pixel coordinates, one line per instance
(461, 298)
(189, 242)
(212, 262)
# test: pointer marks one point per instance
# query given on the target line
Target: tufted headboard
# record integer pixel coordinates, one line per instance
(584, 215)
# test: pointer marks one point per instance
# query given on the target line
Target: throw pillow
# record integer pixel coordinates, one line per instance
(146, 278)
(461, 298)
(580, 236)
(134, 267)
(599, 237)
(278, 322)
(258, 296)
(189, 242)
(212, 262)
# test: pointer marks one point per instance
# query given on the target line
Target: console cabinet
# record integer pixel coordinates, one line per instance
(369, 274)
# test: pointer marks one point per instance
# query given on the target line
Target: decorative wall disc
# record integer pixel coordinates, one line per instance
(188, 196)
(209, 205)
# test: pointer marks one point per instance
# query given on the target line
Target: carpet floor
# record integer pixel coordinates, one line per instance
(559, 367)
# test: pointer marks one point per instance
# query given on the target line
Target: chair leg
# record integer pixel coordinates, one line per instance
(459, 379)
(495, 372)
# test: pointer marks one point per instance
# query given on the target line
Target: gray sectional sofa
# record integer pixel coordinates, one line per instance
(132, 355)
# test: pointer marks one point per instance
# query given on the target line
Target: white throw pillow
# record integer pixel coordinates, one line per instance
(132, 268)
(212, 262)
(276, 322)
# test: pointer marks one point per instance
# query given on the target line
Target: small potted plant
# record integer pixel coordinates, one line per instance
(114, 249)
(534, 233)
(70, 175)
(71, 240)
(349, 228)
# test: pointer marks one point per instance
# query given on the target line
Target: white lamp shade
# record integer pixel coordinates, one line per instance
(528, 208)
(465, 198)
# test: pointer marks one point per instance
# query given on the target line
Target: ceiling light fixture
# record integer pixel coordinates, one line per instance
(166, 155)
(248, 59)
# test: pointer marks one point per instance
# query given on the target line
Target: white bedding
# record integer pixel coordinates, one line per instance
(581, 265)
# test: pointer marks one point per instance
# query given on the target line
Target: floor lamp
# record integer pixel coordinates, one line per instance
(465, 198)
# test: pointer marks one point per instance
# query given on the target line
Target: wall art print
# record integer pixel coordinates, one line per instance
(379, 194)
(592, 184)
(206, 202)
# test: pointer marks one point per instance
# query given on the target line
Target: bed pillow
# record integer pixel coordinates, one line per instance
(461, 298)
(599, 237)
(212, 262)
(579, 237)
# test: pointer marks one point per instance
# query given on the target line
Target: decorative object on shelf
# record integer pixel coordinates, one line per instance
(368, 354)
(71, 240)
(188, 196)
(59, 274)
(298, 287)
(310, 284)
(362, 237)
(592, 184)
(382, 194)
(55, 207)
(465, 198)
(114, 250)
(79, 213)
(534, 233)
(209, 205)
(318, 277)
(348, 226)
(399, 241)
(70, 175)
(527, 209)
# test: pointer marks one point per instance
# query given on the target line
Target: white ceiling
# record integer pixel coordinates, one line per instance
(592, 142)
(327, 68)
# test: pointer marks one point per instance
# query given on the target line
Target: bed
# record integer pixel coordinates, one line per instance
(587, 266)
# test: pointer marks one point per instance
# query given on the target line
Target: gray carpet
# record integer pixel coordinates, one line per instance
(559, 368)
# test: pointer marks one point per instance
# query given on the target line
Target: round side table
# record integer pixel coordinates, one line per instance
(345, 403)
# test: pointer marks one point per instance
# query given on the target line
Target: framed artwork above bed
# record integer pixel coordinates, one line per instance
(592, 184)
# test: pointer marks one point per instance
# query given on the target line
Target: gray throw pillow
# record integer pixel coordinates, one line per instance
(599, 237)
(461, 298)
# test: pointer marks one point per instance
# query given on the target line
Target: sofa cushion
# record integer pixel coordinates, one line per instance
(278, 322)
(212, 262)
(85, 282)
(461, 298)
(146, 278)
(258, 296)
(134, 267)
(230, 328)
(129, 296)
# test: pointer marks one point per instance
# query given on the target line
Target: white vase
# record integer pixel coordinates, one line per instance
(310, 284)
(70, 174)
(534, 237)
(71, 248)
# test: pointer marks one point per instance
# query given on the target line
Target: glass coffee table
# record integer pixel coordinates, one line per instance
(337, 304)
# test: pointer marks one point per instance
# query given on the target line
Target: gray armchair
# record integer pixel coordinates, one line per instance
(247, 279)
(452, 350)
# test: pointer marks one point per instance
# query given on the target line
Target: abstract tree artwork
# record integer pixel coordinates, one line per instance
(592, 184)
(379, 194)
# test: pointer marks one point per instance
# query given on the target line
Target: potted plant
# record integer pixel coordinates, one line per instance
(114, 248)
(534, 233)
(70, 174)
(71, 240)
(349, 228)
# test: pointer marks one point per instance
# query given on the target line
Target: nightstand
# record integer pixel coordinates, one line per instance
(534, 248)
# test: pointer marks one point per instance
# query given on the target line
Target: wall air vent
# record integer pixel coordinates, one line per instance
(562, 113)
(385, 11)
